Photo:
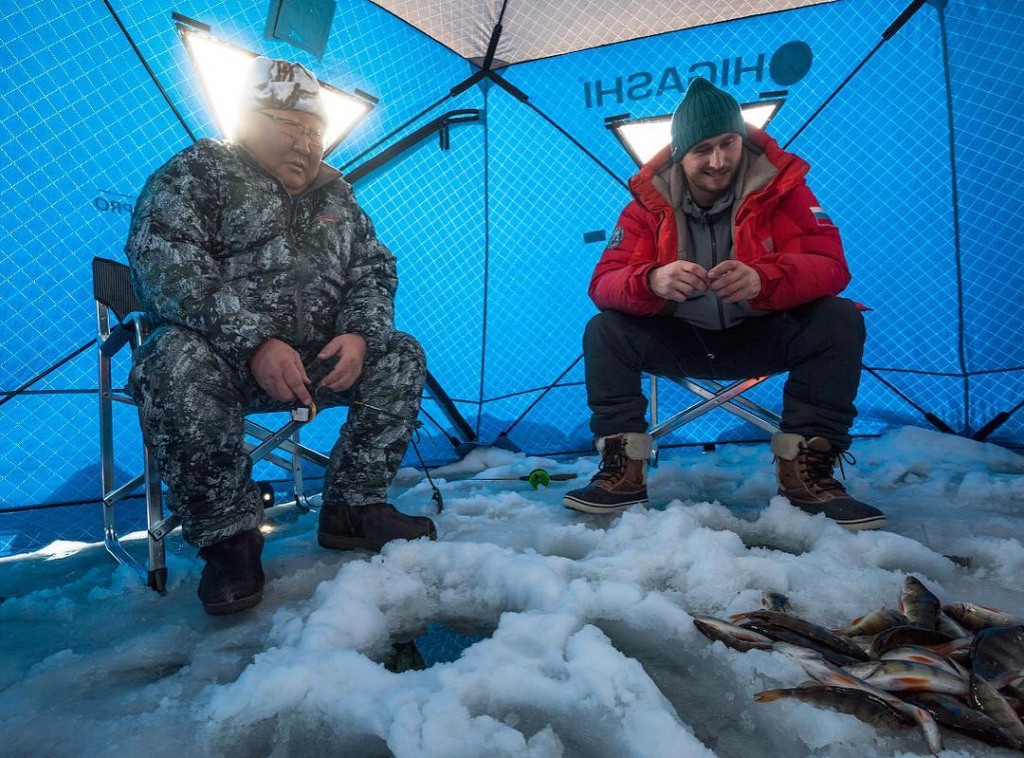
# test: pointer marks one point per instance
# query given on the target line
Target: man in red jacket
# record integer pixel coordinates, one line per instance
(724, 265)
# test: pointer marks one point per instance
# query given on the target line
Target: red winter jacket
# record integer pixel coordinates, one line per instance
(797, 254)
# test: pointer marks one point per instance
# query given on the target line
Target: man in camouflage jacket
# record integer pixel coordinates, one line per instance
(266, 285)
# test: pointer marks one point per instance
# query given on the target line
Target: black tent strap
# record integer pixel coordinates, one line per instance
(501, 14)
(986, 429)
(930, 417)
(52, 393)
(440, 124)
(492, 43)
(948, 374)
(152, 74)
(50, 370)
(59, 504)
(888, 34)
(521, 96)
(546, 390)
(477, 76)
(396, 130)
(995, 422)
(517, 393)
(902, 19)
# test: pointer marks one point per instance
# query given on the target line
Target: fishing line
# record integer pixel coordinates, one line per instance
(323, 393)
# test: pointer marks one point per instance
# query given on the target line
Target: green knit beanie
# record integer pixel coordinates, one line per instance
(705, 112)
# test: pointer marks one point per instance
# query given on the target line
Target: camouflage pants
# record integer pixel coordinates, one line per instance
(192, 405)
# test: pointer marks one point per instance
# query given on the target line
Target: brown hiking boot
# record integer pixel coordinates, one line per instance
(620, 482)
(232, 578)
(369, 527)
(804, 468)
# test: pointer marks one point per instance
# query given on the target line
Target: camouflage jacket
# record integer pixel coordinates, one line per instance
(218, 246)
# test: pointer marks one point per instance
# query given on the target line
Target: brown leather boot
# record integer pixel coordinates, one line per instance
(232, 578)
(805, 472)
(621, 480)
(369, 527)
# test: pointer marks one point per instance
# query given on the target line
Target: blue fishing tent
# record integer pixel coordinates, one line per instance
(489, 168)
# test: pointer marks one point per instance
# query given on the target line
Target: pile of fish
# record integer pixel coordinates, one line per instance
(959, 665)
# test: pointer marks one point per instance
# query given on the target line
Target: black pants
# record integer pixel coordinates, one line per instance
(820, 344)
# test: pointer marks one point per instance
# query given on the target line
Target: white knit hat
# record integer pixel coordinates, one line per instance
(273, 84)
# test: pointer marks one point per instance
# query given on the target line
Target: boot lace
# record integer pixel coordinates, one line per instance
(613, 463)
(820, 464)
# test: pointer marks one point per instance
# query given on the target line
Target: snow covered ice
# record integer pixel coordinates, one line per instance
(545, 632)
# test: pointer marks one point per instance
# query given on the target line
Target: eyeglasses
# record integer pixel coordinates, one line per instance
(295, 130)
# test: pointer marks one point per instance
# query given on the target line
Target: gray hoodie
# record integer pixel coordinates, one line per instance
(706, 237)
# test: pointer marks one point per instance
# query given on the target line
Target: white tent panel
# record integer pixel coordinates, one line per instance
(534, 29)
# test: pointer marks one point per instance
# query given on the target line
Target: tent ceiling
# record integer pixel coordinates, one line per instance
(534, 29)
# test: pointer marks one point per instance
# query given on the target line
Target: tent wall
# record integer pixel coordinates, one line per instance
(83, 125)
(986, 91)
(496, 236)
(886, 214)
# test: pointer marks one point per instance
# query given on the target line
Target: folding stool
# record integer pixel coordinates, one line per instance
(713, 394)
(113, 294)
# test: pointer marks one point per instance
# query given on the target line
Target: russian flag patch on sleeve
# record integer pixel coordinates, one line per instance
(820, 216)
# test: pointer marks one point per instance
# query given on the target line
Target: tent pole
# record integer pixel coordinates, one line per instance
(442, 399)
(152, 74)
(458, 89)
(888, 34)
(440, 124)
(957, 248)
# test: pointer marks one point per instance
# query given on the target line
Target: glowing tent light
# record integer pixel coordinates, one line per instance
(222, 67)
(644, 137)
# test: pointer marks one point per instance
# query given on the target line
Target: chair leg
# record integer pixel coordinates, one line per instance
(298, 484)
(109, 340)
(156, 577)
(293, 448)
(155, 572)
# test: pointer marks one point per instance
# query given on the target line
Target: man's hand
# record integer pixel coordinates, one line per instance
(278, 370)
(350, 350)
(734, 281)
(678, 280)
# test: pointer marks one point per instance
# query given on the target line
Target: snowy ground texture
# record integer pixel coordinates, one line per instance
(545, 632)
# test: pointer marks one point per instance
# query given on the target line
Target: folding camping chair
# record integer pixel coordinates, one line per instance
(113, 294)
(713, 395)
